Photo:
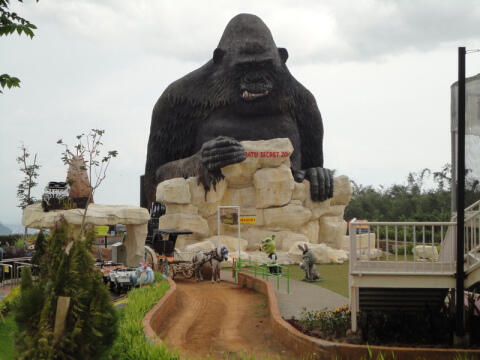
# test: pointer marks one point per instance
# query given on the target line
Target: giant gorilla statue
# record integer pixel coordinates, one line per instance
(245, 92)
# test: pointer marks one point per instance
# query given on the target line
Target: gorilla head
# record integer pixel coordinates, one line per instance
(249, 57)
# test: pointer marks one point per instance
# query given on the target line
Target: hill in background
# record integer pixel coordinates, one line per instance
(4, 230)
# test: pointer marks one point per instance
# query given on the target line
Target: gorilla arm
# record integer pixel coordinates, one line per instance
(206, 163)
(310, 126)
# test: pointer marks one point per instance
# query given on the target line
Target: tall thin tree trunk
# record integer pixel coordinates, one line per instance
(25, 238)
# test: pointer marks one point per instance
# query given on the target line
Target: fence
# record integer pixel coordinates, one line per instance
(10, 270)
(265, 270)
(410, 247)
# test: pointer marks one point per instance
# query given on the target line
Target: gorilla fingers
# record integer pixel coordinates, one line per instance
(321, 182)
(220, 152)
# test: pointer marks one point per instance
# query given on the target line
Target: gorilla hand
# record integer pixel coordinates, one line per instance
(220, 152)
(321, 182)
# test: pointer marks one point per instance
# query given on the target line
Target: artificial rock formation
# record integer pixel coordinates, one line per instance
(77, 177)
(263, 186)
(134, 217)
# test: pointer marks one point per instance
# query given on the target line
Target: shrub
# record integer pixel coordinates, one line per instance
(327, 323)
(91, 319)
(401, 249)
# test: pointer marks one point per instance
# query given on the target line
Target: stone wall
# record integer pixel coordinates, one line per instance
(263, 186)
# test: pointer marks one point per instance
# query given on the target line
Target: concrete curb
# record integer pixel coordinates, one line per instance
(157, 315)
(311, 347)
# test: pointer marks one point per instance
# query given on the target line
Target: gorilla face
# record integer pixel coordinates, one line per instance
(256, 79)
(255, 88)
(248, 56)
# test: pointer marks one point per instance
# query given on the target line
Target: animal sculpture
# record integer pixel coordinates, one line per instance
(308, 263)
(143, 275)
(269, 248)
(215, 257)
(245, 92)
(199, 259)
(220, 254)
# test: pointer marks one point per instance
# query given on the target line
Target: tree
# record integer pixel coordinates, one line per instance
(10, 22)
(89, 148)
(91, 320)
(24, 189)
(399, 202)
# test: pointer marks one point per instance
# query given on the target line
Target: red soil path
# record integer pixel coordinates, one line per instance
(221, 321)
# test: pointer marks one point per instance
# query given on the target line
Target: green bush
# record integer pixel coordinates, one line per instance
(91, 319)
(401, 249)
(327, 323)
(131, 343)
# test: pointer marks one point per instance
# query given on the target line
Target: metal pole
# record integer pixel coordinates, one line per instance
(460, 316)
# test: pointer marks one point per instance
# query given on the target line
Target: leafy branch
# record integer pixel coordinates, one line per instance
(30, 171)
(8, 81)
(10, 23)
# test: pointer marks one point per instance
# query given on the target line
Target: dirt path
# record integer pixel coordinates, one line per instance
(221, 321)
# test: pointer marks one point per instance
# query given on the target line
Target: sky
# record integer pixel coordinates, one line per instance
(380, 70)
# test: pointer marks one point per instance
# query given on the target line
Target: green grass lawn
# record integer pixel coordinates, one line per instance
(7, 330)
(335, 276)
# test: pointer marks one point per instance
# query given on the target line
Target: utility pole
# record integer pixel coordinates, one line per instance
(459, 303)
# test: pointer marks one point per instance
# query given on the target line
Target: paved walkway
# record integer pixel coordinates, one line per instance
(302, 295)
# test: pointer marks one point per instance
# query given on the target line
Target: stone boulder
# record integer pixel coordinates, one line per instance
(185, 222)
(259, 154)
(342, 191)
(230, 242)
(283, 239)
(428, 252)
(332, 230)
(181, 209)
(273, 186)
(200, 246)
(289, 216)
(199, 197)
(324, 253)
(175, 191)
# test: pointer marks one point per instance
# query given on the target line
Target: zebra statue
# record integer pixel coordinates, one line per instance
(215, 257)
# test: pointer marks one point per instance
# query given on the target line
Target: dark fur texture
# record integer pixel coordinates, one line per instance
(208, 103)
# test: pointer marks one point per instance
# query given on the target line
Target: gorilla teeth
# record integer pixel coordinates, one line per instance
(246, 95)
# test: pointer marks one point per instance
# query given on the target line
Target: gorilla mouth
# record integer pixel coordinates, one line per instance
(249, 96)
